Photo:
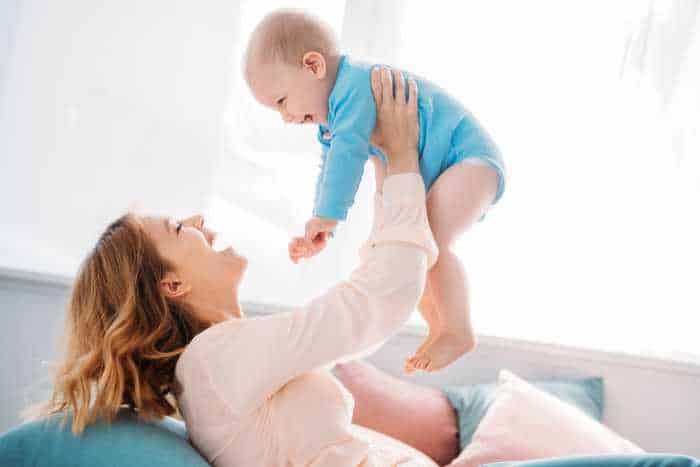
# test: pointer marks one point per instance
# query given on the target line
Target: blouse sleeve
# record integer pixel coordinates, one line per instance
(265, 353)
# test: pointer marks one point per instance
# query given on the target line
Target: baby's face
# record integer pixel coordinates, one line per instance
(299, 94)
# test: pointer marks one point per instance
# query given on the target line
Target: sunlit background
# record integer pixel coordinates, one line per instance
(595, 106)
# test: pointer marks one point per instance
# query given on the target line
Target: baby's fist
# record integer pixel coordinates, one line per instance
(298, 249)
(318, 230)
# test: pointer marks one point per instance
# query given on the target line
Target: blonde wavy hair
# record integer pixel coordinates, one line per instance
(122, 337)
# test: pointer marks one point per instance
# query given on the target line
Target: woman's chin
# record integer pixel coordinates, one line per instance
(243, 262)
(235, 263)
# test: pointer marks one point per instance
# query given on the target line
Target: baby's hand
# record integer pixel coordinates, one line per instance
(298, 248)
(317, 232)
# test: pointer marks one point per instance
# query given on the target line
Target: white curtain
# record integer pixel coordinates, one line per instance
(595, 106)
(595, 242)
(105, 106)
(662, 60)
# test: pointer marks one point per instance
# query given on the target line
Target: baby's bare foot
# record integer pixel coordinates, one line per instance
(428, 311)
(427, 341)
(440, 352)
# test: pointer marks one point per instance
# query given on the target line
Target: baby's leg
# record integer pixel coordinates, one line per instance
(459, 197)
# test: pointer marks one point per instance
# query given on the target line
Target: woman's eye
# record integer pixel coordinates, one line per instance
(280, 100)
(179, 226)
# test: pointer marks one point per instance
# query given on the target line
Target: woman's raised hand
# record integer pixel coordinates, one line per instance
(396, 130)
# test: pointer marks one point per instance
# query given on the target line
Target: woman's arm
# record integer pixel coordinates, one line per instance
(368, 307)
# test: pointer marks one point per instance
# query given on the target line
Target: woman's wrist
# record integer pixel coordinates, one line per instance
(405, 162)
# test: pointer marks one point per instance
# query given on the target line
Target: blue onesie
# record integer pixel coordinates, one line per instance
(448, 134)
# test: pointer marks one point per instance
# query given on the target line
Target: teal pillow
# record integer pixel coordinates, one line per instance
(472, 402)
(128, 441)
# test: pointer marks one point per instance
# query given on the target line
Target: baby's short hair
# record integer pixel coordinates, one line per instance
(285, 35)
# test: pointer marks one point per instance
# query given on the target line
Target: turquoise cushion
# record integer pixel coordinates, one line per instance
(127, 442)
(472, 402)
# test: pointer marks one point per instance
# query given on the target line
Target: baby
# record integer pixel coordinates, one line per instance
(293, 65)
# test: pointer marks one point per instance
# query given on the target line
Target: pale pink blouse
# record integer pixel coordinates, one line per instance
(258, 391)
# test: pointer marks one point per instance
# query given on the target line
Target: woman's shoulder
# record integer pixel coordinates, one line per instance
(212, 337)
(222, 341)
(221, 359)
(196, 352)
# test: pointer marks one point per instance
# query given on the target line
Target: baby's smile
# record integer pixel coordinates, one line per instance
(308, 118)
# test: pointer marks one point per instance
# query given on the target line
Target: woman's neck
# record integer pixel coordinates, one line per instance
(214, 311)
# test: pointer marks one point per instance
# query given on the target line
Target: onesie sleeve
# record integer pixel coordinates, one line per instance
(354, 115)
(325, 146)
(264, 353)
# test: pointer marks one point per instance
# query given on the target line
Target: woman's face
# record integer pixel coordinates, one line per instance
(203, 277)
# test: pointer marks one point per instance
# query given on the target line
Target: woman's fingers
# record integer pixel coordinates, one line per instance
(386, 86)
(396, 129)
(400, 90)
(412, 95)
(376, 87)
(382, 81)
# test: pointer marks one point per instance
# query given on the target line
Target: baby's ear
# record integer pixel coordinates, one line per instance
(315, 63)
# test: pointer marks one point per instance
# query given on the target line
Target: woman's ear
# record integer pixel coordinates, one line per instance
(172, 287)
(315, 63)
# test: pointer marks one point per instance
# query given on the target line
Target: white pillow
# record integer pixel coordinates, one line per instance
(525, 423)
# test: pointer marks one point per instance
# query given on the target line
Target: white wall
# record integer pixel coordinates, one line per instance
(95, 99)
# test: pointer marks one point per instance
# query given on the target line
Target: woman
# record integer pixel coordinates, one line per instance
(155, 311)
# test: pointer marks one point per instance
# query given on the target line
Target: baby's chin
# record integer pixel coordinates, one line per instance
(318, 119)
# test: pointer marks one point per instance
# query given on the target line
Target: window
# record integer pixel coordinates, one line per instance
(595, 242)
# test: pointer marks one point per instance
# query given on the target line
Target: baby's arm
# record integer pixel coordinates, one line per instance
(344, 156)
(347, 154)
(317, 230)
